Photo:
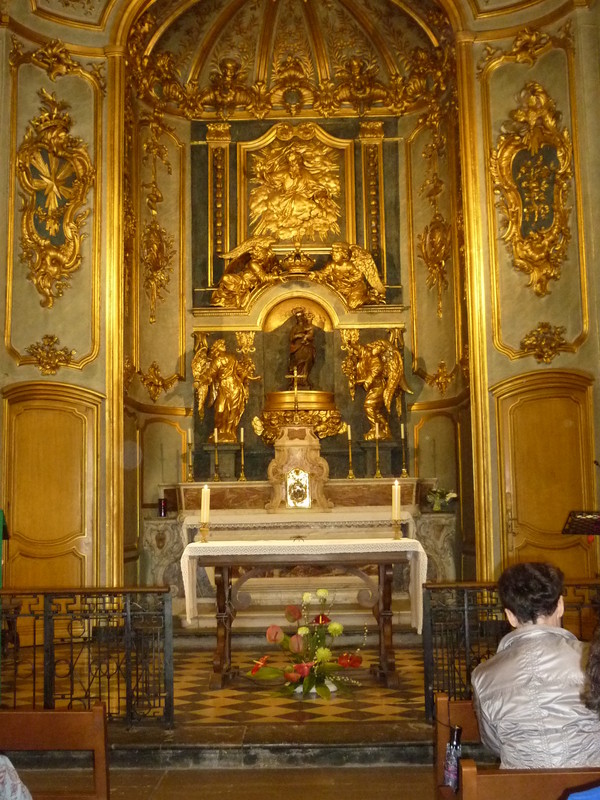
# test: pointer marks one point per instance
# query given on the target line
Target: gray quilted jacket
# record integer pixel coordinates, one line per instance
(528, 701)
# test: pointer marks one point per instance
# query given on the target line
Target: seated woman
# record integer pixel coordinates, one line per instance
(11, 786)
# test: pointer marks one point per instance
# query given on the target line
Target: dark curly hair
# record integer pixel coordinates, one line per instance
(530, 590)
(592, 674)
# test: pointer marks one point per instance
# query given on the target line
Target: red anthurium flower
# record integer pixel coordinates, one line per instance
(296, 643)
(259, 664)
(291, 676)
(344, 660)
(275, 634)
(355, 660)
(303, 669)
(293, 613)
(321, 619)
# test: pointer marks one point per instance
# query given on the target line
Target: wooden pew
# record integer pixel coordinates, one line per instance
(64, 730)
(491, 782)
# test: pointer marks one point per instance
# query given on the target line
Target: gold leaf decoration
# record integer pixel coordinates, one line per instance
(544, 342)
(157, 253)
(155, 383)
(435, 247)
(48, 357)
(531, 168)
(55, 174)
(442, 379)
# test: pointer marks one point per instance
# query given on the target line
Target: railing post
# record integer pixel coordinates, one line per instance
(168, 660)
(49, 660)
(428, 654)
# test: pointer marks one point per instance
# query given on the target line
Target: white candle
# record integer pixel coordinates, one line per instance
(205, 505)
(242, 435)
(349, 433)
(396, 501)
(402, 430)
(216, 436)
(189, 439)
(377, 430)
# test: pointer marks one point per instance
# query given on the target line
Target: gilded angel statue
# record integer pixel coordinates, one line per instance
(353, 273)
(222, 379)
(251, 265)
(377, 367)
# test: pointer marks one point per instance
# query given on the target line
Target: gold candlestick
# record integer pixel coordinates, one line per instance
(351, 474)
(190, 463)
(242, 473)
(377, 470)
(397, 526)
(203, 533)
(216, 476)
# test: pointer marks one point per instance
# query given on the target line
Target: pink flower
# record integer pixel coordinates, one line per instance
(293, 613)
(296, 643)
(275, 634)
(291, 676)
(303, 669)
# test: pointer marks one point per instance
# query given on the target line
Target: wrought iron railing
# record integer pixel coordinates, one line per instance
(73, 648)
(464, 622)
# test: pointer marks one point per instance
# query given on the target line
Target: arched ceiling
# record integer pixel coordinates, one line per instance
(258, 58)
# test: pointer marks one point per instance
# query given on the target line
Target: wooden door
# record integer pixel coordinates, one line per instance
(50, 485)
(546, 468)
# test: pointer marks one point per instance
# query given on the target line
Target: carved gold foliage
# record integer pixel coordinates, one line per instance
(129, 373)
(435, 247)
(48, 357)
(324, 422)
(544, 342)
(157, 253)
(55, 174)
(532, 170)
(441, 379)
(527, 47)
(56, 60)
(155, 383)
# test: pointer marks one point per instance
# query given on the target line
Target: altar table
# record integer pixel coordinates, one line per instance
(349, 554)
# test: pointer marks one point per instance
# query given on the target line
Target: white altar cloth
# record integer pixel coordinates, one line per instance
(333, 551)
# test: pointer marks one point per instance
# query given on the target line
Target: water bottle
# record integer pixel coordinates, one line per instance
(453, 753)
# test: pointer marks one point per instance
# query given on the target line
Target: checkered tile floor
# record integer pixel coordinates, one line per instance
(200, 700)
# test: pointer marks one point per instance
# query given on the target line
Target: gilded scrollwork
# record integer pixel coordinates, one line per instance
(324, 422)
(544, 342)
(48, 357)
(55, 174)
(532, 169)
(155, 383)
(527, 47)
(441, 379)
(435, 248)
(54, 58)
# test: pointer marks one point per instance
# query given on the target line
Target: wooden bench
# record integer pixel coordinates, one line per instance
(491, 782)
(52, 731)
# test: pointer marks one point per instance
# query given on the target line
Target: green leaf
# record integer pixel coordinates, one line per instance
(266, 674)
(323, 691)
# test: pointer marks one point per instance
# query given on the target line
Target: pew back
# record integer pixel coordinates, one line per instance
(64, 730)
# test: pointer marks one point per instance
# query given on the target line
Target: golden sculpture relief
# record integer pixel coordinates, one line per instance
(379, 368)
(252, 264)
(352, 272)
(544, 342)
(527, 47)
(324, 422)
(156, 248)
(56, 61)
(442, 379)
(532, 171)
(296, 189)
(55, 174)
(47, 355)
(156, 256)
(435, 248)
(222, 380)
(155, 383)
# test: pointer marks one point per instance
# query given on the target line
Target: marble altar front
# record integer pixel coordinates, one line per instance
(362, 508)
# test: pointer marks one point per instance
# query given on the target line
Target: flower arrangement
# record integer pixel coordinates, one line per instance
(313, 666)
(440, 497)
